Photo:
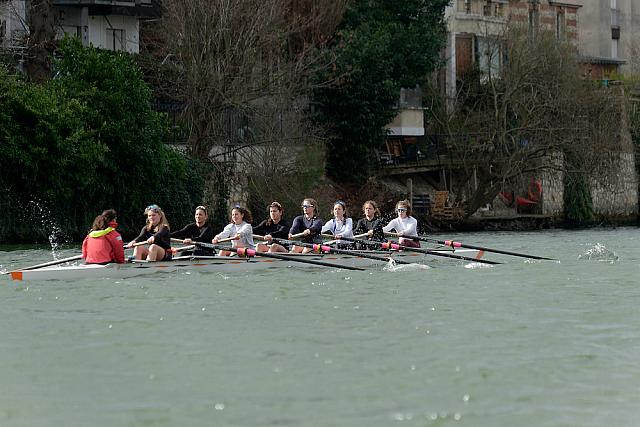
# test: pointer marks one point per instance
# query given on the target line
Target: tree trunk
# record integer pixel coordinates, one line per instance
(41, 39)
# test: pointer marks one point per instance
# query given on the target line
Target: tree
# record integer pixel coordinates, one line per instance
(88, 140)
(233, 62)
(381, 46)
(508, 126)
(40, 43)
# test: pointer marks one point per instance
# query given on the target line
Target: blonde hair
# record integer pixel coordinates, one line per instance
(163, 219)
(313, 203)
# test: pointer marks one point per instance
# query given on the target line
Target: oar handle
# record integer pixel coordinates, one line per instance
(227, 239)
(183, 248)
(331, 236)
(136, 244)
(175, 240)
(297, 236)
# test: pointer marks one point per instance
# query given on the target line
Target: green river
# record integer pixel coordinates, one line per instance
(526, 343)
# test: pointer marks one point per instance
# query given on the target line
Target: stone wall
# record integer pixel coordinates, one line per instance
(614, 188)
(553, 186)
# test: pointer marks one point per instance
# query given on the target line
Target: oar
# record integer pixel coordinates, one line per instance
(126, 245)
(328, 249)
(297, 236)
(47, 264)
(252, 253)
(397, 247)
(331, 236)
(182, 248)
(461, 245)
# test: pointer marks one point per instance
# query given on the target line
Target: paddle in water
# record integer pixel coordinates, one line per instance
(398, 247)
(47, 264)
(316, 248)
(454, 244)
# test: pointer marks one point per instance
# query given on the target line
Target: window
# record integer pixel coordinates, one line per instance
(3, 30)
(561, 25)
(486, 10)
(488, 55)
(614, 48)
(534, 18)
(115, 39)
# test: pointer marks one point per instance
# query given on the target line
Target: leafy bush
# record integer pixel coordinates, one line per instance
(88, 140)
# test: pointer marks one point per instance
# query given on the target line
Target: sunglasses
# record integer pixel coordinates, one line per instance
(402, 210)
(201, 208)
(154, 208)
(307, 206)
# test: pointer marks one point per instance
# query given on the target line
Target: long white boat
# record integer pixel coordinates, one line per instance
(230, 264)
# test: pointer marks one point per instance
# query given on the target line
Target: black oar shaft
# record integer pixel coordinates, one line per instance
(422, 251)
(252, 253)
(481, 248)
(328, 249)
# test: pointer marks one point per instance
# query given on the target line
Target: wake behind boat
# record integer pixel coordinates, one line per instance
(223, 264)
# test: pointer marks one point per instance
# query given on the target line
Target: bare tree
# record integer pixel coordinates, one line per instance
(230, 56)
(506, 126)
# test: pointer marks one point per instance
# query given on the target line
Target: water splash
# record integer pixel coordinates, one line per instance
(37, 211)
(392, 266)
(599, 252)
(477, 265)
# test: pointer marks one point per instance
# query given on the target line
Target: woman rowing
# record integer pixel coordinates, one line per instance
(306, 227)
(238, 231)
(404, 224)
(274, 227)
(103, 244)
(156, 234)
(370, 223)
(341, 225)
(198, 231)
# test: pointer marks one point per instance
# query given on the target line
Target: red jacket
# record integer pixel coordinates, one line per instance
(103, 246)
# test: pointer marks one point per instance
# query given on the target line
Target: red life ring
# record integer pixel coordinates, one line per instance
(535, 190)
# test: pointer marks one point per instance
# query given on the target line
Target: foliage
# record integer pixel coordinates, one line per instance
(381, 47)
(577, 201)
(88, 140)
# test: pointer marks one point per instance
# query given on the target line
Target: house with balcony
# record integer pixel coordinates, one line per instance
(107, 24)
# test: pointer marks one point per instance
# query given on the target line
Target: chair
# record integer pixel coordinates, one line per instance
(440, 208)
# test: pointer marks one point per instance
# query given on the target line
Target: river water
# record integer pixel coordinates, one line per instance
(519, 344)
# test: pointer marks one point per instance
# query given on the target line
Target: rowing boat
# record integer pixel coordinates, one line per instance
(219, 264)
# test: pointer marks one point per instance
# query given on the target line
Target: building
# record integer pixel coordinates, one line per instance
(609, 34)
(107, 24)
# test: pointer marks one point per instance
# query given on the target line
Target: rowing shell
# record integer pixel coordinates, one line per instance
(218, 264)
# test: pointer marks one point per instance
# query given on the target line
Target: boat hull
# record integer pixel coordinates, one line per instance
(221, 264)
